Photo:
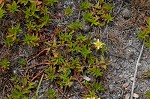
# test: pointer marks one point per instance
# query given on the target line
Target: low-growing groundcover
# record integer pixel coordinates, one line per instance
(62, 57)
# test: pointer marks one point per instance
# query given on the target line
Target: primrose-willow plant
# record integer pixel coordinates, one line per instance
(63, 57)
(72, 56)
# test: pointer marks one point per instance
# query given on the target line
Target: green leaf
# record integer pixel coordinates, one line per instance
(2, 12)
(75, 25)
(107, 17)
(50, 2)
(68, 11)
(65, 37)
(85, 5)
(11, 38)
(4, 63)
(13, 7)
(31, 40)
(85, 51)
(97, 86)
(25, 2)
(51, 94)
(142, 35)
(109, 7)
(147, 44)
(51, 73)
(31, 11)
(95, 71)
(81, 38)
(87, 16)
(148, 95)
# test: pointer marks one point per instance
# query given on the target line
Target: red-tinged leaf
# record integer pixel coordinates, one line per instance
(142, 27)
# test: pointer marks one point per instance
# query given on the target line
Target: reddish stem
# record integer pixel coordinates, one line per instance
(38, 74)
(77, 78)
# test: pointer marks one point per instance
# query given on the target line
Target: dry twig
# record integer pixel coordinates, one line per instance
(135, 73)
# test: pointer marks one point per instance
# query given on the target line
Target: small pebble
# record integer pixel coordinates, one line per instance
(132, 78)
(139, 64)
(127, 96)
(86, 78)
(126, 13)
(135, 95)
(86, 28)
(125, 85)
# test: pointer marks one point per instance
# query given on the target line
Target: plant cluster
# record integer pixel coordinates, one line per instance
(64, 58)
(144, 33)
(98, 14)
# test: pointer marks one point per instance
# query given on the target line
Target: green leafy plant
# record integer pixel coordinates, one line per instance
(25, 2)
(11, 38)
(22, 88)
(97, 15)
(88, 17)
(31, 11)
(63, 56)
(93, 88)
(148, 95)
(79, 48)
(143, 34)
(22, 62)
(13, 7)
(68, 11)
(4, 63)
(85, 51)
(31, 40)
(95, 71)
(85, 5)
(75, 25)
(50, 2)
(51, 94)
(2, 11)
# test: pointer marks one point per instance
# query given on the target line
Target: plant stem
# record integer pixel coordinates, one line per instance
(135, 73)
(37, 91)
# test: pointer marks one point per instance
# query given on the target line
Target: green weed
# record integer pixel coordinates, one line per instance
(50, 2)
(148, 95)
(98, 14)
(2, 12)
(143, 34)
(68, 11)
(67, 56)
(4, 63)
(11, 37)
(12, 7)
(31, 40)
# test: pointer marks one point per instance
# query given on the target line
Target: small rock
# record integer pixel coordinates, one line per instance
(139, 64)
(127, 96)
(121, 76)
(125, 85)
(86, 78)
(135, 95)
(126, 13)
(132, 78)
(111, 87)
(86, 28)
